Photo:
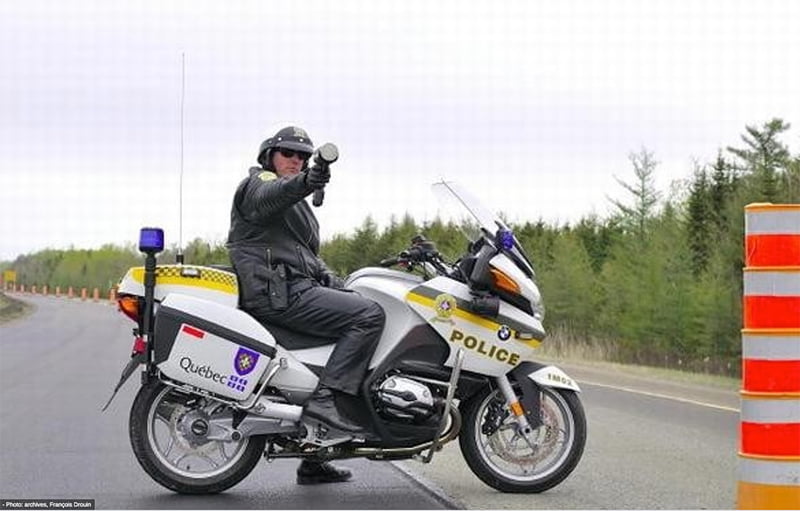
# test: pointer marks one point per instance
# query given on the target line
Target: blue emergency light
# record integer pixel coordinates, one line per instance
(505, 238)
(151, 240)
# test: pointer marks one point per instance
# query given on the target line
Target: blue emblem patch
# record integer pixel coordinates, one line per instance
(245, 361)
(236, 383)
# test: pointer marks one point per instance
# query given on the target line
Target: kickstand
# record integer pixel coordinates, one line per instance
(133, 363)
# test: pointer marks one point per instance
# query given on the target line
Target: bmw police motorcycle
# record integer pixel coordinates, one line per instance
(455, 360)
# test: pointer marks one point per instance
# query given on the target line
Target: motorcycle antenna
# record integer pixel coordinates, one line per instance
(179, 255)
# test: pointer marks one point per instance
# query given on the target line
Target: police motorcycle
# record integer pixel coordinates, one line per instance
(455, 360)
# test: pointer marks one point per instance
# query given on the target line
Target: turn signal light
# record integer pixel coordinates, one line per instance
(129, 305)
(504, 282)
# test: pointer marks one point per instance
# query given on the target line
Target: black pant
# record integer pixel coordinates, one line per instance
(356, 322)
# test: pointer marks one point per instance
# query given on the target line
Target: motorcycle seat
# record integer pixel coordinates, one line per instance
(289, 339)
(294, 340)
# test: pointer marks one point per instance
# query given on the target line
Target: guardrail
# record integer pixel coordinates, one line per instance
(84, 293)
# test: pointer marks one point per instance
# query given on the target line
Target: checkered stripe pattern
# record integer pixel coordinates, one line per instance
(207, 274)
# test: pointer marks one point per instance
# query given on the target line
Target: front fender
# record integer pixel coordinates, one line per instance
(545, 376)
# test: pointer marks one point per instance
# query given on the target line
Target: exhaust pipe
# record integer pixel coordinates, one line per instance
(270, 409)
(378, 453)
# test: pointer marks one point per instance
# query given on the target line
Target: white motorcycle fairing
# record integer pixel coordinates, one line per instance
(552, 376)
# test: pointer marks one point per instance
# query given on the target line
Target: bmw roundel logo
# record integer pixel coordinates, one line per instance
(504, 333)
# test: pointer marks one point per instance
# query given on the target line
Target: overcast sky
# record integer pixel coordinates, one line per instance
(534, 105)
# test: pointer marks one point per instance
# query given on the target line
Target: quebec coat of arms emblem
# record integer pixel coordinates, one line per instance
(245, 361)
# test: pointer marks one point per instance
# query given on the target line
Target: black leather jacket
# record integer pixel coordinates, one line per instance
(272, 224)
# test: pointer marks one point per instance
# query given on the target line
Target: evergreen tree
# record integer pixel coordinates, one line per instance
(699, 221)
(570, 288)
(634, 217)
(397, 236)
(450, 241)
(790, 185)
(336, 254)
(720, 189)
(765, 156)
(597, 237)
(537, 239)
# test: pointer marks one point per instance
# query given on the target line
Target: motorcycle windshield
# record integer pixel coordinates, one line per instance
(476, 220)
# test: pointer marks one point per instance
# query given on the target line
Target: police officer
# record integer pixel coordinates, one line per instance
(273, 244)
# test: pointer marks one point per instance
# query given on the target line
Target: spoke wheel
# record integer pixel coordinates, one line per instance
(511, 461)
(168, 431)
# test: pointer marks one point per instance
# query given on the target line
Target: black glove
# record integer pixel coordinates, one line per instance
(317, 176)
(331, 280)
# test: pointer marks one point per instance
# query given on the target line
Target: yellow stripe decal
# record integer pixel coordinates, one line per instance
(468, 316)
(169, 277)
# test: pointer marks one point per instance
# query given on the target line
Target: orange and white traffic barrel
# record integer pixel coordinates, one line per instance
(769, 456)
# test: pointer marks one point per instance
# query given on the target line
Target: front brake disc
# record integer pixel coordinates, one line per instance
(515, 449)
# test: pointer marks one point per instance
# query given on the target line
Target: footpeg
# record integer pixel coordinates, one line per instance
(324, 435)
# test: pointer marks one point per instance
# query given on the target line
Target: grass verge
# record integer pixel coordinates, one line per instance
(599, 355)
(11, 308)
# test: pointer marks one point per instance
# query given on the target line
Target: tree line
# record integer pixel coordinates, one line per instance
(658, 281)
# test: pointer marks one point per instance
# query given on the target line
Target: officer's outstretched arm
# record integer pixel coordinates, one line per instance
(268, 195)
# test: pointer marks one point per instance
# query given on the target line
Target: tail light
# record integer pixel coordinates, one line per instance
(129, 305)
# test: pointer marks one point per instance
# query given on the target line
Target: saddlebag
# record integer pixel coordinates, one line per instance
(217, 348)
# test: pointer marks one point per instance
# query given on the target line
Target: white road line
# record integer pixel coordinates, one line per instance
(662, 396)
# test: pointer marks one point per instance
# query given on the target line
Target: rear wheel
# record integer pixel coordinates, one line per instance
(500, 455)
(168, 431)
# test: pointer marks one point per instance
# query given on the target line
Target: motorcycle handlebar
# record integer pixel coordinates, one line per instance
(389, 262)
(403, 257)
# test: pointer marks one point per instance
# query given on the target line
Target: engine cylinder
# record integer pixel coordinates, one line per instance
(406, 399)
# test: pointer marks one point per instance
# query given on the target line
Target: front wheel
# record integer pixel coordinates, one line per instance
(500, 455)
(167, 430)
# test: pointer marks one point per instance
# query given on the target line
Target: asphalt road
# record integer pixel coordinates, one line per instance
(651, 444)
(57, 369)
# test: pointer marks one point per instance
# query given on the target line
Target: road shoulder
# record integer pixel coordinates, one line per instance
(11, 308)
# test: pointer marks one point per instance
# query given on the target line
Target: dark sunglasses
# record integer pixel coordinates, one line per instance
(290, 153)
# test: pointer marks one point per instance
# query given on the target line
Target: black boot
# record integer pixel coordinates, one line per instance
(322, 407)
(316, 472)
